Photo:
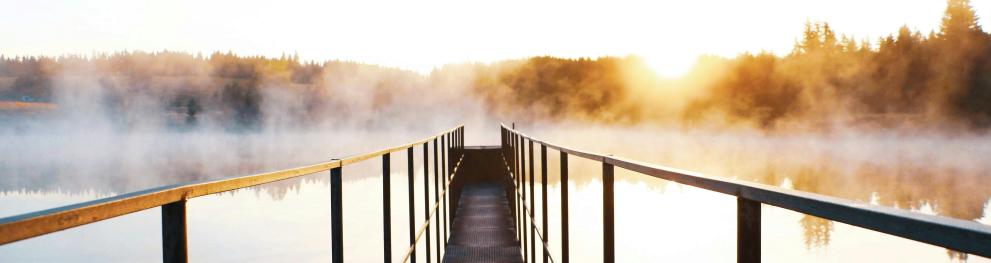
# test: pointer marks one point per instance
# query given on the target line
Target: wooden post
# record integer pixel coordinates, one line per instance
(174, 232)
(747, 230)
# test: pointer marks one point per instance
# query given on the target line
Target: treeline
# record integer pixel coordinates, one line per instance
(908, 78)
(184, 89)
(556, 88)
(937, 79)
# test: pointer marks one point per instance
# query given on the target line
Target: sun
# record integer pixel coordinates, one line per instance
(670, 65)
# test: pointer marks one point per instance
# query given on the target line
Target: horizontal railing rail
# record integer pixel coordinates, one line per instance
(955, 234)
(173, 198)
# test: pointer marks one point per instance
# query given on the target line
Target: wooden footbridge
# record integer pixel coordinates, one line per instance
(481, 210)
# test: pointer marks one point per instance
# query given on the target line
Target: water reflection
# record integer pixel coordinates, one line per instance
(286, 220)
(655, 218)
(816, 231)
(936, 174)
(108, 164)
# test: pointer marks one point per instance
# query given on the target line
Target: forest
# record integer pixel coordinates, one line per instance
(909, 79)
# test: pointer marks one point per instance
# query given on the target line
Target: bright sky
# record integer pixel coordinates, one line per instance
(423, 34)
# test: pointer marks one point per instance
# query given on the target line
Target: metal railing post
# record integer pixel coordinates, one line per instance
(564, 208)
(533, 228)
(523, 209)
(174, 232)
(386, 209)
(426, 195)
(747, 230)
(412, 201)
(447, 164)
(336, 216)
(608, 227)
(516, 198)
(543, 199)
(437, 199)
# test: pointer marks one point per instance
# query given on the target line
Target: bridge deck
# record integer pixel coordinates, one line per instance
(483, 228)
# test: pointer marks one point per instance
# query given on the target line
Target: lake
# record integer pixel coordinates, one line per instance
(655, 220)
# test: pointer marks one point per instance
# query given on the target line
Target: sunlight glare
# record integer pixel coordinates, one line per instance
(670, 66)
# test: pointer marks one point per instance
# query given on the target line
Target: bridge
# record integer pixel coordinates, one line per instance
(482, 208)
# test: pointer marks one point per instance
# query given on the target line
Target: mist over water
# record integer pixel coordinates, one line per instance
(104, 140)
(930, 173)
(946, 172)
(74, 129)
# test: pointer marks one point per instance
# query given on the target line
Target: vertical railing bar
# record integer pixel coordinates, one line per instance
(174, 232)
(386, 209)
(520, 189)
(525, 219)
(564, 209)
(412, 202)
(426, 195)
(533, 205)
(336, 216)
(608, 227)
(747, 230)
(440, 258)
(443, 184)
(543, 197)
(516, 187)
(447, 180)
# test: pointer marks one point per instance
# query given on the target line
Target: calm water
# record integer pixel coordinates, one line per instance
(289, 220)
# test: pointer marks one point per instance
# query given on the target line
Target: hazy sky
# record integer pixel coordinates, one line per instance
(423, 34)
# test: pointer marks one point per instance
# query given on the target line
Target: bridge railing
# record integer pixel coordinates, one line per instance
(172, 200)
(959, 235)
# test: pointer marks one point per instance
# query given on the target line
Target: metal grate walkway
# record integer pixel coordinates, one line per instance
(483, 229)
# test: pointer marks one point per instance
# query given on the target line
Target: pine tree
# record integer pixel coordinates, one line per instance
(959, 20)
